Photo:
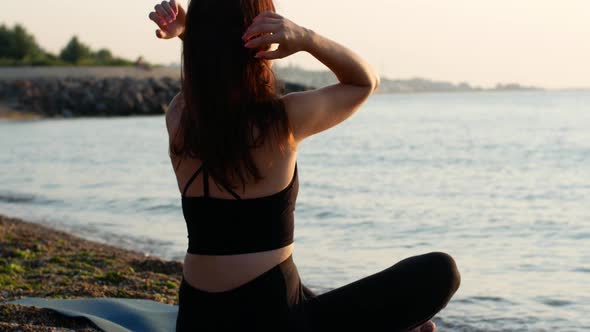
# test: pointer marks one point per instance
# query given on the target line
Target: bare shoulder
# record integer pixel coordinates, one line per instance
(174, 113)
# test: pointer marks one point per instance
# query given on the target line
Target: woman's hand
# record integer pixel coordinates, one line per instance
(170, 18)
(271, 28)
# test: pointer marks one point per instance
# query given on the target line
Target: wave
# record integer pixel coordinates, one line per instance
(163, 207)
(146, 245)
(554, 302)
(18, 198)
(477, 299)
(448, 325)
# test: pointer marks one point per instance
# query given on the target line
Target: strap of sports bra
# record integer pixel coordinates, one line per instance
(206, 186)
(191, 180)
(206, 182)
(236, 196)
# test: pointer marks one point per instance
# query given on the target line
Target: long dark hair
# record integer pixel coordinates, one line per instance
(231, 98)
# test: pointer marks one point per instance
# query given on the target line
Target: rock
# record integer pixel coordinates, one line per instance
(89, 96)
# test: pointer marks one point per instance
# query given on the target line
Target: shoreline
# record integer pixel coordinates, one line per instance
(7, 112)
(39, 261)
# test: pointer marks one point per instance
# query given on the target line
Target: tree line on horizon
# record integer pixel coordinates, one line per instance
(19, 48)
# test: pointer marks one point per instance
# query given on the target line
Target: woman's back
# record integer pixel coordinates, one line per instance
(216, 273)
(308, 113)
(275, 166)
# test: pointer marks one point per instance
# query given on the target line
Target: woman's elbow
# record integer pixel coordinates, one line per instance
(376, 82)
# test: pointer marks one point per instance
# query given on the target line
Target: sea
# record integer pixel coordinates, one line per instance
(498, 180)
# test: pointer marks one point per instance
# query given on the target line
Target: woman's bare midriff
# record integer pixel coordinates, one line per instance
(222, 273)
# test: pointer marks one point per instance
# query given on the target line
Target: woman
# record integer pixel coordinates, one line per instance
(233, 145)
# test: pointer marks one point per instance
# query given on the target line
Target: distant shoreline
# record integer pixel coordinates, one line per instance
(82, 91)
(27, 73)
(388, 85)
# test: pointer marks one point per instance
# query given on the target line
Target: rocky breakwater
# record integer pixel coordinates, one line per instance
(68, 97)
(82, 95)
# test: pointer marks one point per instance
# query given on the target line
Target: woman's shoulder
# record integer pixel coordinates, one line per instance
(174, 112)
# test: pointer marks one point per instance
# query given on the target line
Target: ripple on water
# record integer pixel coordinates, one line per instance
(581, 236)
(478, 299)
(51, 186)
(162, 208)
(456, 326)
(554, 302)
(18, 198)
(581, 269)
(106, 184)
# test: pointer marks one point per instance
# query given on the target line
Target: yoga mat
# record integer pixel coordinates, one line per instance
(112, 314)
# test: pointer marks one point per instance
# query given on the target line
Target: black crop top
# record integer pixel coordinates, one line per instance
(219, 226)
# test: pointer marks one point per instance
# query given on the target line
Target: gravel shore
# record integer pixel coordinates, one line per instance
(39, 261)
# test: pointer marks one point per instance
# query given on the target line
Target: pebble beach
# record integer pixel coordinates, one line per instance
(38, 261)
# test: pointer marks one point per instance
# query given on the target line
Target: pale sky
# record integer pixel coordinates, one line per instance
(482, 42)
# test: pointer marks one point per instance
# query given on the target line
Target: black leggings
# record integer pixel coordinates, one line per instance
(398, 298)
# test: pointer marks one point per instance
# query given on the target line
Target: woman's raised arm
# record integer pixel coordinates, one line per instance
(311, 112)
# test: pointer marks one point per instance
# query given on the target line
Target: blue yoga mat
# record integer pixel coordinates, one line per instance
(112, 314)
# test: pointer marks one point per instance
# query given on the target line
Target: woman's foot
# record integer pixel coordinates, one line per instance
(426, 327)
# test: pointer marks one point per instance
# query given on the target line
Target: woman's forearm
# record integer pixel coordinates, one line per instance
(348, 66)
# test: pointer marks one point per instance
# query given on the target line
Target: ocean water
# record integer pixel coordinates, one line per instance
(500, 181)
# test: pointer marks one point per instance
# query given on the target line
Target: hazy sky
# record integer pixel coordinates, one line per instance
(538, 42)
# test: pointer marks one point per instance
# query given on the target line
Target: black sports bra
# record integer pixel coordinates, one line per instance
(219, 226)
